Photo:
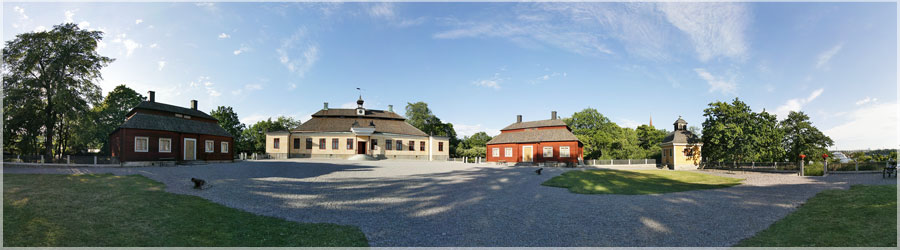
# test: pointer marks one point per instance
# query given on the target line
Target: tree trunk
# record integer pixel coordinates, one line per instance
(49, 123)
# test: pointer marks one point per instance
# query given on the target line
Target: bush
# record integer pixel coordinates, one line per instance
(814, 169)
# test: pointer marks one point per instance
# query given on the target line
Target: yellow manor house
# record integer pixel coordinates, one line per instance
(357, 134)
(681, 148)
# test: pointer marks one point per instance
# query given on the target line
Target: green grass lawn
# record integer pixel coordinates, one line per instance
(864, 216)
(133, 211)
(637, 181)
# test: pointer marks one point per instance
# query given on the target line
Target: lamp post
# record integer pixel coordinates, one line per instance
(825, 169)
(802, 157)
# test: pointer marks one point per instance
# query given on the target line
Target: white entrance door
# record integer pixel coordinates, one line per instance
(527, 153)
(190, 149)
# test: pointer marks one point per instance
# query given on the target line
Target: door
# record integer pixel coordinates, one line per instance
(190, 149)
(527, 153)
(361, 147)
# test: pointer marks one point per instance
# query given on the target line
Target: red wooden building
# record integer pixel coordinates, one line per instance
(156, 131)
(536, 141)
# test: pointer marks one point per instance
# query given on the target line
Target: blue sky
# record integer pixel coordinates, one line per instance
(478, 65)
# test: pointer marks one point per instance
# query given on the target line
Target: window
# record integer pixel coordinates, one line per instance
(374, 143)
(440, 147)
(308, 143)
(322, 143)
(296, 143)
(412, 146)
(421, 146)
(165, 145)
(141, 144)
(187, 117)
(211, 146)
(508, 152)
(388, 145)
(350, 144)
(224, 147)
(548, 152)
(334, 143)
(495, 152)
(688, 152)
(399, 145)
(276, 143)
(179, 116)
(563, 151)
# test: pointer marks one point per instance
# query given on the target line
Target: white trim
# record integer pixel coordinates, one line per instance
(184, 146)
(146, 147)
(207, 148)
(568, 151)
(495, 152)
(544, 152)
(507, 152)
(224, 145)
(160, 145)
(532, 153)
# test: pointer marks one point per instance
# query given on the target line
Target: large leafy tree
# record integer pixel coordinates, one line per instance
(801, 137)
(51, 74)
(601, 137)
(473, 146)
(108, 115)
(419, 115)
(255, 135)
(767, 137)
(727, 132)
(228, 119)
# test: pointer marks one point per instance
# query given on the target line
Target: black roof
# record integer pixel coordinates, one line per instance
(174, 124)
(681, 136)
(536, 124)
(171, 108)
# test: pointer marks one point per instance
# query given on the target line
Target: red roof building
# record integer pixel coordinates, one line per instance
(536, 142)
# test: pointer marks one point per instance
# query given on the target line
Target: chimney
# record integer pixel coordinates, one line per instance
(552, 115)
(519, 119)
(152, 96)
(391, 108)
(194, 104)
(325, 107)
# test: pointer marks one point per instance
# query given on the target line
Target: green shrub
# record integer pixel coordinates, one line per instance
(814, 169)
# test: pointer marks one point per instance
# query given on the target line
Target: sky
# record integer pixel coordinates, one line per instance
(478, 65)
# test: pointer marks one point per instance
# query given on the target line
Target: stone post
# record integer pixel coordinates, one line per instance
(68, 159)
(825, 170)
(95, 160)
(42, 158)
(857, 166)
(801, 167)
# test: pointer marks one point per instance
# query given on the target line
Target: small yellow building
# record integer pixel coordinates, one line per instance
(357, 134)
(681, 148)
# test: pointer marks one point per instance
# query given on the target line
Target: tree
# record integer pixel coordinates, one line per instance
(601, 137)
(801, 137)
(727, 132)
(255, 135)
(105, 117)
(767, 137)
(53, 73)
(228, 119)
(419, 115)
(473, 146)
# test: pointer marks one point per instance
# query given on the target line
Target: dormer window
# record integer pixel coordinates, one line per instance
(187, 117)
(179, 116)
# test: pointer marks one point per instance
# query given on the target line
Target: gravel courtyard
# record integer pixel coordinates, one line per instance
(408, 203)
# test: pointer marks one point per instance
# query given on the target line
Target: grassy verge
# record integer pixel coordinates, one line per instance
(864, 216)
(637, 181)
(132, 211)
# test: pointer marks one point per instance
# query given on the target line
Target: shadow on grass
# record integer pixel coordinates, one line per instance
(636, 182)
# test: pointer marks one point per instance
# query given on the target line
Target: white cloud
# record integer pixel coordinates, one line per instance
(84, 24)
(628, 123)
(160, 65)
(492, 82)
(469, 130)
(130, 46)
(223, 36)
(153, 46)
(138, 21)
(796, 104)
(21, 12)
(383, 10)
(726, 87)
(715, 29)
(872, 126)
(23, 18)
(69, 16)
(207, 84)
(241, 50)
(254, 86)
(866, 100)
(40, 28)
(826, 56)
(298, 54)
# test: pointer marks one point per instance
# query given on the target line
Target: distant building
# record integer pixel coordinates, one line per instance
(161, 132)
(355, 133)
(536, 141)
(681, 148)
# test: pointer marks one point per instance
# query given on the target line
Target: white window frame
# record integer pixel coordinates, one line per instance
(146, 147)
(224, 147)
(508, 152)
(545, 155)
(495, 152)
(161, 150)
(209, 146)
(564, 152)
